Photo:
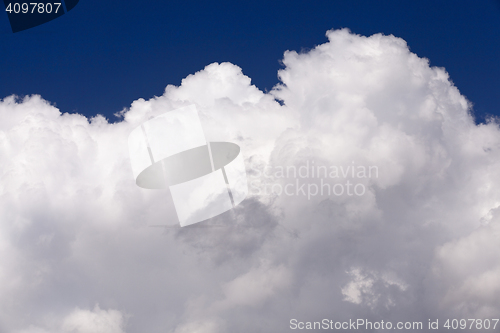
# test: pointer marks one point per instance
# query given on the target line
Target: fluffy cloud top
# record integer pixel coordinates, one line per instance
(420, 242)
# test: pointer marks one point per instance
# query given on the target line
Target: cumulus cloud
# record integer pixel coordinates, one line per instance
(86, 321)
(416, 239)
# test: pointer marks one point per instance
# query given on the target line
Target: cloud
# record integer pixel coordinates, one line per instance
(419, 243)
(470, 267)
(86, 321)
(361, 289)
(257, 285)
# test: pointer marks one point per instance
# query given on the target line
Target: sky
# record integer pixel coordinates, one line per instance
(373, 187)
(101, 57)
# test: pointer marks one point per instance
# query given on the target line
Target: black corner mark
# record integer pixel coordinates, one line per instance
(26, 14)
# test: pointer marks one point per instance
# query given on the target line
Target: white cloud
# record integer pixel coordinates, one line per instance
(420, 243)
(254, 287)
(86, 321)
(470, 269)
(371, 288)
(96, 321)
(360, 285)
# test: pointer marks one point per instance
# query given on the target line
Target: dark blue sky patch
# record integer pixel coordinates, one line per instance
(106, 54)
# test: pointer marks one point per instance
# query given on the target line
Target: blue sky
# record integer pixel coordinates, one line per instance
(103, 55)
